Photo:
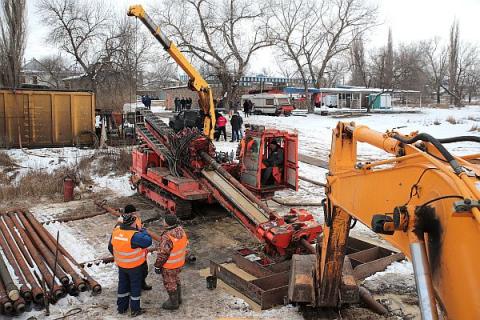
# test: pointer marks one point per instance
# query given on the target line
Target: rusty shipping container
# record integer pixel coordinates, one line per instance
(46, 118)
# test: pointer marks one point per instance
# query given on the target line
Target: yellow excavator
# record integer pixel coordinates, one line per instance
(196, 82)
(423, 200)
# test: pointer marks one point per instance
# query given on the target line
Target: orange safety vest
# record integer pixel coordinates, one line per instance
(138, 221)
(123, 254)
(178, 253)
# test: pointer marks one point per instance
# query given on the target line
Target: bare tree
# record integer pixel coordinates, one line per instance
(291, 27)
(108, 49)
(55, 68)
(313, 34)
(462, 58)
(435, 63)
(222, 34)
(358, 63)
(12, 40)
(453, 55)
(388, 77)
(79, 28)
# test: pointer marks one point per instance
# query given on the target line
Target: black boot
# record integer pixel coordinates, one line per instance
(179, 293)
(137, 313)
(145, 286)
(172, 302)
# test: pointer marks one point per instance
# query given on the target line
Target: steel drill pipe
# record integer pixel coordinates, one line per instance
(5, 303)
(112, 211)
(10, 287)
(19, 241)
(94, 285)
(237, 184)
(24, 290)
(56, 290)
(19, 306)
(45, 252)
(42, 232)
(36, 291)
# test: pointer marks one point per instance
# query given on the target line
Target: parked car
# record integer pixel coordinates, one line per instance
(184, 119)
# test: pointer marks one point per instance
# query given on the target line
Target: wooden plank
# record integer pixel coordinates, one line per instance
(301, 288)
(348, 287)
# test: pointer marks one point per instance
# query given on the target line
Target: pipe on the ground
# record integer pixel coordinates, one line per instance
(5, 303)
(318, 183)
(68, 219)
(10, 287)
(371, 303)
(56, 291)
(94, 285)
(296, 204)
(19, 306)
(42, 232)
(218, 168)
(45, 252)
(24, 290)
(116, 213)
(37, 293)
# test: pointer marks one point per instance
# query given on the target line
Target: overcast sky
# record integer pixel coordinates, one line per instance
(410, 20)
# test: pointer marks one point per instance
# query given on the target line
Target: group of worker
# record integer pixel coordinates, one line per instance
(182, 104)
(129, 243)
(236, 121)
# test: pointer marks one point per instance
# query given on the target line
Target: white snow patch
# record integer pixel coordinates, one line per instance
(120, 185)
(403, 267)
(70, 240)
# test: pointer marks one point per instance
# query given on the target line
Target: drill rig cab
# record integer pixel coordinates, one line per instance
(255, 150)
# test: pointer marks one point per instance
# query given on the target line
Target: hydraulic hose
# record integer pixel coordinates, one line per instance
(437, 144)
(460, 139)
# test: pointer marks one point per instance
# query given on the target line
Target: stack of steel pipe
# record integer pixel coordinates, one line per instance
(32, 259)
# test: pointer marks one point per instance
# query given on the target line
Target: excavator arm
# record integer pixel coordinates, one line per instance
(423, 200)
(196, 83)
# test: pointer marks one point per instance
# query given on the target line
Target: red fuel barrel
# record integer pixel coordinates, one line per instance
(68, 185)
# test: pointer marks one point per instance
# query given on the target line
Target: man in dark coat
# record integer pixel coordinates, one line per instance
(275, 160)
(236, 121)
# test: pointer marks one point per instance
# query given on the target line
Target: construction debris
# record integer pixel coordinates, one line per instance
(32, 259)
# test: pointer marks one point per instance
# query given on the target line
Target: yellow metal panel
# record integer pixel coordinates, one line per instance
(41, 119)
(3, 132)
(62, 124)
(82, 118)
(32, 118)
(14, 119)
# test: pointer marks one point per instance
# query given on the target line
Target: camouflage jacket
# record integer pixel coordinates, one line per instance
(166, 245)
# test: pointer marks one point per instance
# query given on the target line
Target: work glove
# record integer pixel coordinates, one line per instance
(158, 270)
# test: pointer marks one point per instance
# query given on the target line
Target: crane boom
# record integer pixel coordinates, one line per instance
(196, 82)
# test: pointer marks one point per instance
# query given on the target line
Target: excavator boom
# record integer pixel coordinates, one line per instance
(424, 200)
(196, 83)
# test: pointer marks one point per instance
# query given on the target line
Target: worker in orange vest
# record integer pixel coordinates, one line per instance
(170, 260)
(128, 244)
(129, 208)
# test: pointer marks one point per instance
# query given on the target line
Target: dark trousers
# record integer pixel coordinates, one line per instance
(267, 175)
(129, 288)
(145, 271)
(236, 134)
(222, 130)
